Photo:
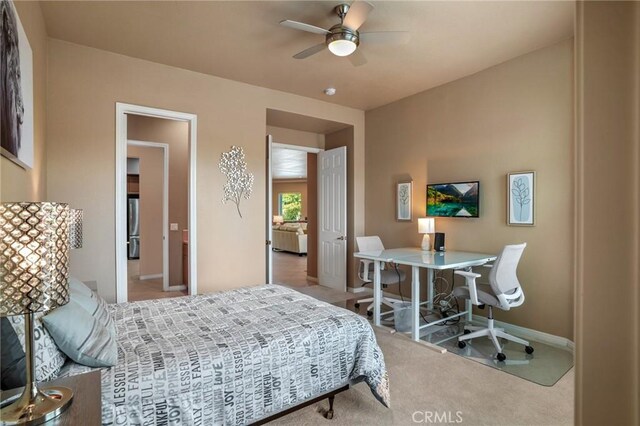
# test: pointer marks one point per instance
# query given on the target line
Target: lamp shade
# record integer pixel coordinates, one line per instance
(342, 47)
(75, 228)
(426, 225)
(34, 257)
(278, 219)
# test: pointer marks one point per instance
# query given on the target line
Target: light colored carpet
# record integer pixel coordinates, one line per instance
(329, 295)
(422, 380)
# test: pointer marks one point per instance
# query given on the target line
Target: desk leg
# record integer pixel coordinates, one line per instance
(415, 303)
(376, 292)
(430, 288)
(467, 303)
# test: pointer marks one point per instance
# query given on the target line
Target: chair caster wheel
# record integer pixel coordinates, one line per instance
(467, 331)
(329, 415)
(462, 344)
(357, 305)
(528, 349)
(501, 357)
(369, 313)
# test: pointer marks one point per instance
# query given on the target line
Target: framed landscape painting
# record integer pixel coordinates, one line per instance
(16, 89)
(521, 198)
(404, 200)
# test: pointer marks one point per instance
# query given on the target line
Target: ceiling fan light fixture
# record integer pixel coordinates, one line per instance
(342, 41)
(342, 47)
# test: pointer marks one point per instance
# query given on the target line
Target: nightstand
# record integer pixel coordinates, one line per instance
(86, 407)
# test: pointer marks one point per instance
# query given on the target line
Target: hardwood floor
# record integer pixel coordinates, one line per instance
(146, 289)
(290, 270)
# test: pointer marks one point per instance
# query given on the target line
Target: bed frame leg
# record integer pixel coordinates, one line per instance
(329, 414)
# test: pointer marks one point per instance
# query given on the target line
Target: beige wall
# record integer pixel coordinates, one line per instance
(515, 116)
(18, 184)
(281, 186)
(296, 137)
(607, 226)
(84, 85)
(150, 213)
(312, 210)
(176, 135)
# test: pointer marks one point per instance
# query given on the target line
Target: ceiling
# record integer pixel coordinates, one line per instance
(243, 41)
(288, 164)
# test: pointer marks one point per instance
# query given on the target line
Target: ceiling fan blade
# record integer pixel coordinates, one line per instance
(357, 14)
(310, 51)
(386, 37)
(357, 58)
(303, 27)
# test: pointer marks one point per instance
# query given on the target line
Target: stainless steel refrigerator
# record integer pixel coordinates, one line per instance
(133, 226)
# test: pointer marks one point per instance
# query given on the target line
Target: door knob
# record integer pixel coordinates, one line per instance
(342, 238)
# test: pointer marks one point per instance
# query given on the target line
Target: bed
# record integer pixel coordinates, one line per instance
(235, 357)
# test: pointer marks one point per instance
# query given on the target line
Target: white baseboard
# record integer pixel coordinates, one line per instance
(358, 289)
(527, 333)
(312, 279)
(177, 287)
(150, 277)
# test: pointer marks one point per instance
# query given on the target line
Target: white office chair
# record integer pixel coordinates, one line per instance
(504, 292)
(387, 276)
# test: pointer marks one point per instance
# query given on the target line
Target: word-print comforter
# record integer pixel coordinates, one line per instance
(233, 357)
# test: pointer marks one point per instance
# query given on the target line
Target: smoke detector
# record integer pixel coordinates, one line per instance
(330, 91)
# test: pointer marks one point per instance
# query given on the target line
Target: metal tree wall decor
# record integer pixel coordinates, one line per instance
(239, 180)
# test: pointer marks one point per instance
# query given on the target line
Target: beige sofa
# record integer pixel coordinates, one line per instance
(291, 237)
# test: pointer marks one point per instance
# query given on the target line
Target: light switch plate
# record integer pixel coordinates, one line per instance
(173, 227)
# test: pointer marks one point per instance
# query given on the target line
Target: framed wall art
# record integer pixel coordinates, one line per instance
(16, 93)
(521, 198)
(404, 201)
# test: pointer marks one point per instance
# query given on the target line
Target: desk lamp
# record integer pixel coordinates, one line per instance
(34, 271)
(426, 226)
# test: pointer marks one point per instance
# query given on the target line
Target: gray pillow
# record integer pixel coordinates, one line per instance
(13, 363)
(81, 337)
(92, 303)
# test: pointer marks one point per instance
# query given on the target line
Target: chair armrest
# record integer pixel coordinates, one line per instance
(468, 275)
(470, 278)
(365, 270)
(488, 265)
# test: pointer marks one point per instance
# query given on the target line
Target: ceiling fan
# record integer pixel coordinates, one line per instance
(344, 38)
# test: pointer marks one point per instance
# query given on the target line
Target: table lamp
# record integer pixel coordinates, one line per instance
(278, 219)
(76, 217)
(34, 262)
(426, 226)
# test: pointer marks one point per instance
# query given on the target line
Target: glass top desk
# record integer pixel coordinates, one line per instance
(417, 258)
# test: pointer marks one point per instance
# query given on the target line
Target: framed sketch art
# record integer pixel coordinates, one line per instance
(521, 198)
(404, 200)
(16, 89)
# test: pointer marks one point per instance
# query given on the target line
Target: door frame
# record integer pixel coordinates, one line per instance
(269, 202)
(122, 109)
(165, 208)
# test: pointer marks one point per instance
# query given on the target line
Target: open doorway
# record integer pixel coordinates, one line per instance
(307, 213)
(155, 218)
(294, 215)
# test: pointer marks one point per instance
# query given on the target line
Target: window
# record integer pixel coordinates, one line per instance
(290, 205)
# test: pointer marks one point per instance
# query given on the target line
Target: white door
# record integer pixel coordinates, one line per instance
(269, 236)
(332, 215)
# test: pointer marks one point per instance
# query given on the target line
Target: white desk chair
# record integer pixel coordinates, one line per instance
(504, 292)
(387, 276)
